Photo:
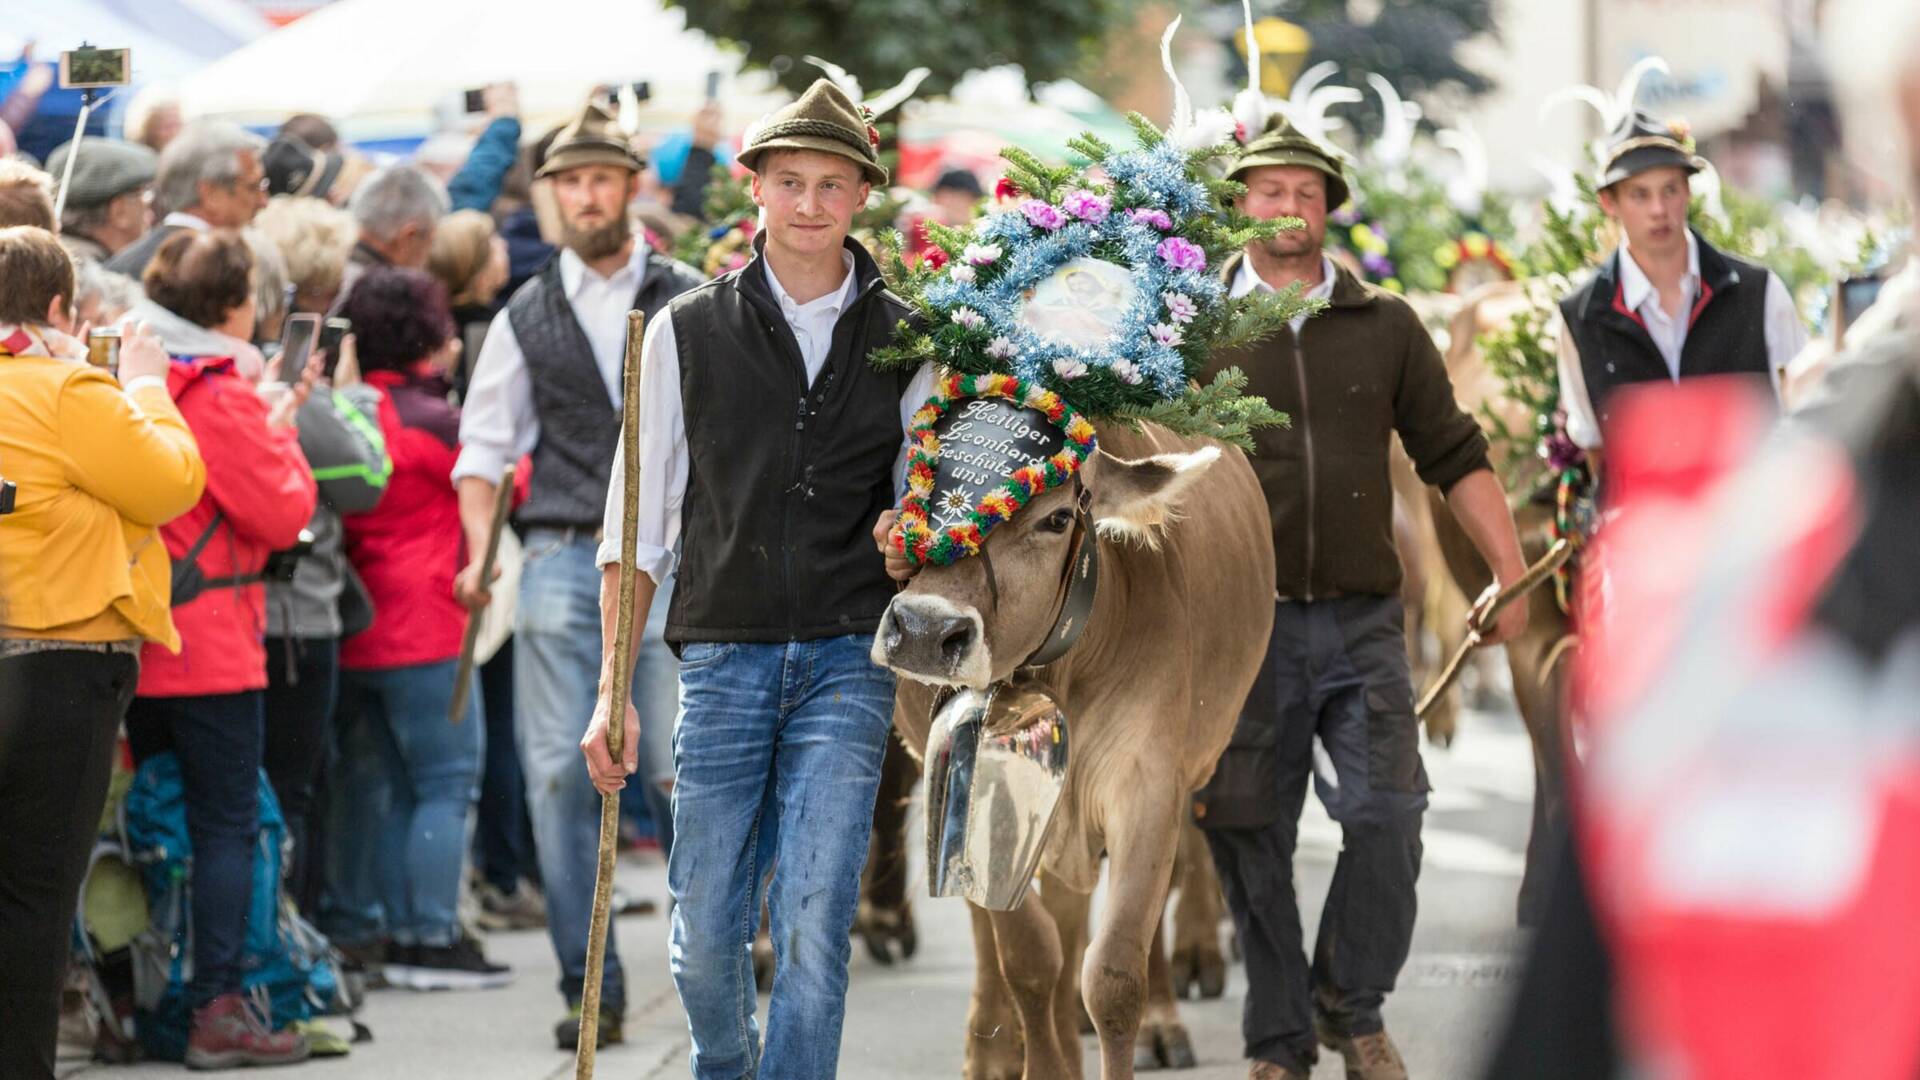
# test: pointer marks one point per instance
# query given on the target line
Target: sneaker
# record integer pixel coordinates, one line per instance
(1267, 1070)
(228, 1033)
(521, 909)
(322, 1041)
(366, 964)
(567, 1032)
(459, 966)
(1369, 1057)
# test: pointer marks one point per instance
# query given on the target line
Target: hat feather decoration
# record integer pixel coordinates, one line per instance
(1706, 184)
(886, 100)
(1615, 109)
(1190, 130)
(1250, 110)
(1563, 190)
(1466, 190)
(1400, 119)
(1306, 106)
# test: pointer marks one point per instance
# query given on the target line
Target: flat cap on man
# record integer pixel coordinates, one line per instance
(105, 169)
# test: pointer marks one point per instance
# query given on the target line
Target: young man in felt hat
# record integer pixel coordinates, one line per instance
(770, 447)
(1350, 377)
(547, 384)
(1666, 305)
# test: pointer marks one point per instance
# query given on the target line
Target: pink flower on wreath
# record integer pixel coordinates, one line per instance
(1181, 254)
(1180, 306)
(1126, 371)
(1154, 219)
(1087, 206)
(1166, 334)
(1043, 215)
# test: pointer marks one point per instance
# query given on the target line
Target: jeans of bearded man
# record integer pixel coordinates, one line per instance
(1335, 669)
(556, 673)
(778, 751)
(407, 781)
(218, 739)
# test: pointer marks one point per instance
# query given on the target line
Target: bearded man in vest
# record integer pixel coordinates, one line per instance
(770, 446)
(548, 384)
(1666, 305)
(1350, 377)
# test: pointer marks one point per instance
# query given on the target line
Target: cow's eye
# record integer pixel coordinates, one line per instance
(1059, 521)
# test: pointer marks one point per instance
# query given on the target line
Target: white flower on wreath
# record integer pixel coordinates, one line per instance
(1001, 348)
(1127, 372)
(1180, 306)
(1166, 334)
(1068, 368)
(968, 317)
(980, 254)
(961, 272)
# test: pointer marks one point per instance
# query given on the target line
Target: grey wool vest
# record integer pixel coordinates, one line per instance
(579, 424)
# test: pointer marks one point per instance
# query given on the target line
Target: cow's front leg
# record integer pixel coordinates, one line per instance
(1197, 960)
(1163, 1041)
(994, 1050)
(1141, 838)
(1071, 912)
(1031, 961)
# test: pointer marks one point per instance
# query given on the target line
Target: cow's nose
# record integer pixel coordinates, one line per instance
(927, 640)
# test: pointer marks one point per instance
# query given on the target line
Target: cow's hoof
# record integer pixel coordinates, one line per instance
(1162, 1046)
(996, 1059)
(1213, 975)
(884, 929)
(1199, 969)
(763, 967)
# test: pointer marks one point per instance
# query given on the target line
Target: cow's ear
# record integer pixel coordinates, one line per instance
(1136, 500)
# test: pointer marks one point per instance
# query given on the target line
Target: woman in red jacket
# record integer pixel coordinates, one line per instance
(408, 777)
(204, 704)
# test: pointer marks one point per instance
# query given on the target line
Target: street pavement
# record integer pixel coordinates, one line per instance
(906, 1021)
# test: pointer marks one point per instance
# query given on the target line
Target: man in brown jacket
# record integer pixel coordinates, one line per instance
(1350, 377)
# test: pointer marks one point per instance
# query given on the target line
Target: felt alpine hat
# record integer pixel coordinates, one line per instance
(1283, 144)
(826, 120)
(1646, 143)
(593, 138)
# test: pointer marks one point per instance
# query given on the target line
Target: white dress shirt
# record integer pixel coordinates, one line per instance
(1784, 335)
(1247, 280)
(663, 430)
(498, 424)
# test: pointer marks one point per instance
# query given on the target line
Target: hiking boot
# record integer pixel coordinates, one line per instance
(521, 909)
(228, 1032)
(611, 1030)
(459, 966)
(1369, 1057)
(1267, 1070)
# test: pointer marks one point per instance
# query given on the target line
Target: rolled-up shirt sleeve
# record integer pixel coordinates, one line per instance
(918, 391)
(663, 462)
(498, 424)
(1583, 427)
(1785, 334)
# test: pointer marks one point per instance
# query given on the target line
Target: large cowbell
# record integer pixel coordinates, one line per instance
(983, 442)
(996, 763)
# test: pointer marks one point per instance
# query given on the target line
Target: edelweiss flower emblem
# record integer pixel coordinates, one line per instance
(955, 502)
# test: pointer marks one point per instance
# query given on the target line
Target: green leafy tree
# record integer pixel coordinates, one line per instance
(879, 41)
(1415, 43)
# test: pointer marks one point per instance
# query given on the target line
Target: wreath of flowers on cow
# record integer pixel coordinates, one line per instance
(1093, 293)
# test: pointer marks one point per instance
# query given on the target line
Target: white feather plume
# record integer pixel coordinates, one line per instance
(1395, 144)
(1706, 184)
(1616, 108)
(1563, 194)
(1308, 102)
(893, 97)
(838, 75)
(1250, 105)
(1180, 123)
(1467, 190)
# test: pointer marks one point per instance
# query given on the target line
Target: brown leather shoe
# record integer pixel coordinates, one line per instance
(228, 1032)
(1369, 1057)
(1267, 1070)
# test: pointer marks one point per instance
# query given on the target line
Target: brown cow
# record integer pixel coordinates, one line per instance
(1177, 633)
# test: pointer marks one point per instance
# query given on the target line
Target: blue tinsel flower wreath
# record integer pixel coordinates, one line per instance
(1135, 218)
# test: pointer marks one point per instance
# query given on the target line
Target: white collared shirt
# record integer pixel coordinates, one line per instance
(186, 221)
(498, 423)
(663, 429)
(1784, 334)
(1247, 280)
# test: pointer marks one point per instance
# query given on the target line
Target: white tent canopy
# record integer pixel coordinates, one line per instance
(396, 66)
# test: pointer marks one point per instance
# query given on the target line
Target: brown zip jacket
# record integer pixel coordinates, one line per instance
(1358, 372)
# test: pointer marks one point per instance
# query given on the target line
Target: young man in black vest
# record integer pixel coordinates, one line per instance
(770, 447)
(1351, 377)
(547, 384)
(1666, 305)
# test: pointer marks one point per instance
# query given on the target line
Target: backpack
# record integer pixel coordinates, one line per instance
(287, 966)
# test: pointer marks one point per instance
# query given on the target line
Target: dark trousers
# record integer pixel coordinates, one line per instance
(1336, 669)
(59, 712)
(303, 682)
(503, 833)
(217, 739)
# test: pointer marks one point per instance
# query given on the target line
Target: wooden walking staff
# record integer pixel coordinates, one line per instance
(1496, 600)
(617, 722)
(463, 675)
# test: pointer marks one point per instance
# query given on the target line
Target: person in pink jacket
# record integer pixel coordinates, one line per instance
(204, 704)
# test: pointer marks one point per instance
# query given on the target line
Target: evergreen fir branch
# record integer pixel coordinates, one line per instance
(1259, 315)
(1217, 410)
(909, 351)
(1090, 146)
(946, 238)
(1146, 131)
(1035, 177)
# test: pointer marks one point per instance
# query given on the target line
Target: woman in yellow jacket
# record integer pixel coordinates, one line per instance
(97, 465)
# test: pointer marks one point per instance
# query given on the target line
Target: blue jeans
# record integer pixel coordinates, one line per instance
(217, 738)
(556, 670)
(408, 780)
(777, 753)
